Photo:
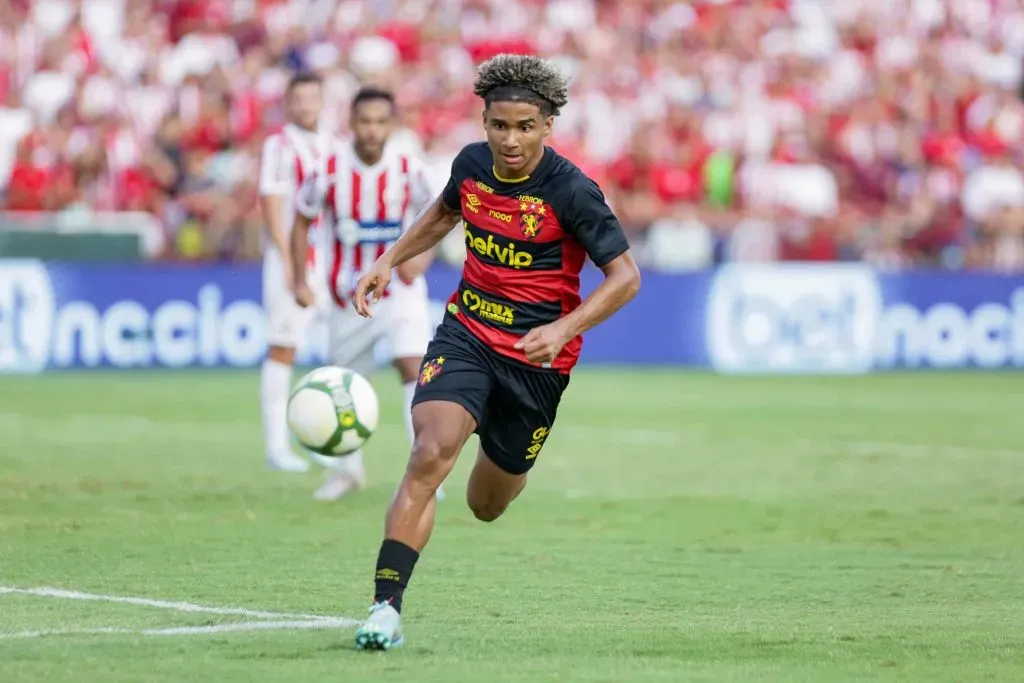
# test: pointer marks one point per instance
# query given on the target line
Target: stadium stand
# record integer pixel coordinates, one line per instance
(891, 132)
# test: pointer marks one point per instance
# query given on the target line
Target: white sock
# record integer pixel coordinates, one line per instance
(275, 385)
(408, 390)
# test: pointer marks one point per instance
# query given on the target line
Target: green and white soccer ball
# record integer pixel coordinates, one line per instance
(333, 411)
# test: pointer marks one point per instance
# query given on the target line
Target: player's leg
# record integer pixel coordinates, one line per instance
(351, 339)
(491, 489)
(409, 332)
(518, 419)
(442, 428)
(286, 323)
(452, 390)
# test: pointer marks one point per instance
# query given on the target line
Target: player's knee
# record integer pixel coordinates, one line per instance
(486, 510)
(431, 455)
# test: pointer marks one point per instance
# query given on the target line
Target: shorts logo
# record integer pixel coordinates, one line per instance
(489, 310)
(531, 218)
(431, 370)
(538, 437)
(473, 203)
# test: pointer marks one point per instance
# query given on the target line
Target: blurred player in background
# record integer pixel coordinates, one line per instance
(289, 158)
(511, 334)
(367, 198)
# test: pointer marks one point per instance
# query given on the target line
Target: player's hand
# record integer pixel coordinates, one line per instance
(542, 344)
(304, 295)
(371, 286)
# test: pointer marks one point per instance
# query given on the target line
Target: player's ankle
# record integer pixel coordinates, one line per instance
(395, 563)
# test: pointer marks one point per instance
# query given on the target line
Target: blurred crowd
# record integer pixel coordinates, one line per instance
(890, 131)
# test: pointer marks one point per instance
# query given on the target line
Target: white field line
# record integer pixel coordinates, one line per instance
(161, 604)
(188, 630)
(266, 620)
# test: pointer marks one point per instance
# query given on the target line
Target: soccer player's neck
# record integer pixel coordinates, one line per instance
(367, 157)
(516, 175)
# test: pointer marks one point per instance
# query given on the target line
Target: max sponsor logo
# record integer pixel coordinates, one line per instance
(489, 310)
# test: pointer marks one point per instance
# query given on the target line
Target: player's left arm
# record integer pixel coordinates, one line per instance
(588, 218)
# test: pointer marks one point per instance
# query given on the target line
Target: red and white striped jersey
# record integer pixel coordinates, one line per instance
(288, 159)
(365, 210)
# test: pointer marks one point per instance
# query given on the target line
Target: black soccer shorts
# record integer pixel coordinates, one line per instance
(514, 405)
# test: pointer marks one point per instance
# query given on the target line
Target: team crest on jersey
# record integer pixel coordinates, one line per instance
(531, 218)
(431, 369)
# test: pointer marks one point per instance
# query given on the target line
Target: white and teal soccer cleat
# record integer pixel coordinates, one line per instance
(382, 630)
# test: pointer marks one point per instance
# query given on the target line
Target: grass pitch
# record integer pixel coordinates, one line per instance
(677, 527)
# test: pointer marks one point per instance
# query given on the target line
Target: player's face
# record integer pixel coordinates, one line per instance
(371, 125)
(515, 134)
(305, 102)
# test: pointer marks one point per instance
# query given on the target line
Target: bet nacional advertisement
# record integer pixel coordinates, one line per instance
(778, 318)
(849, 318)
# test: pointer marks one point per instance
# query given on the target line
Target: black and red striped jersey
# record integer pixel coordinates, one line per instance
(527, 241)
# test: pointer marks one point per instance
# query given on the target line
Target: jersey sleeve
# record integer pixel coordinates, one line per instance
(309, 199)
(274, 177)
(588, 218)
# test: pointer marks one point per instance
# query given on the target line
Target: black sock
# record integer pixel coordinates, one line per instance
(395, 563)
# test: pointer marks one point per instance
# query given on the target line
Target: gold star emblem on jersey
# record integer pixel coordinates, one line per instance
(531, 219)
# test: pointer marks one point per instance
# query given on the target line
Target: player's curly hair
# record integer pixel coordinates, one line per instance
(522, 78)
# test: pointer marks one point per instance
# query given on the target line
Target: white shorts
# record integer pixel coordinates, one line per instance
(402, 319)
(287, 321)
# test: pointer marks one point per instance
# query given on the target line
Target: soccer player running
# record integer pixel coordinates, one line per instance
(289, 157)
(365, 197)
(501, 358)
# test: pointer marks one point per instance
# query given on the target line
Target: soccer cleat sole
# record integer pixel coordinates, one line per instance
(372, 640)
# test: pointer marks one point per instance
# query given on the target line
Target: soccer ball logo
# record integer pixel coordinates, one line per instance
(530, 219)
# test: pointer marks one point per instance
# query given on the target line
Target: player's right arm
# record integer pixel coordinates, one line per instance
(273, 188)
